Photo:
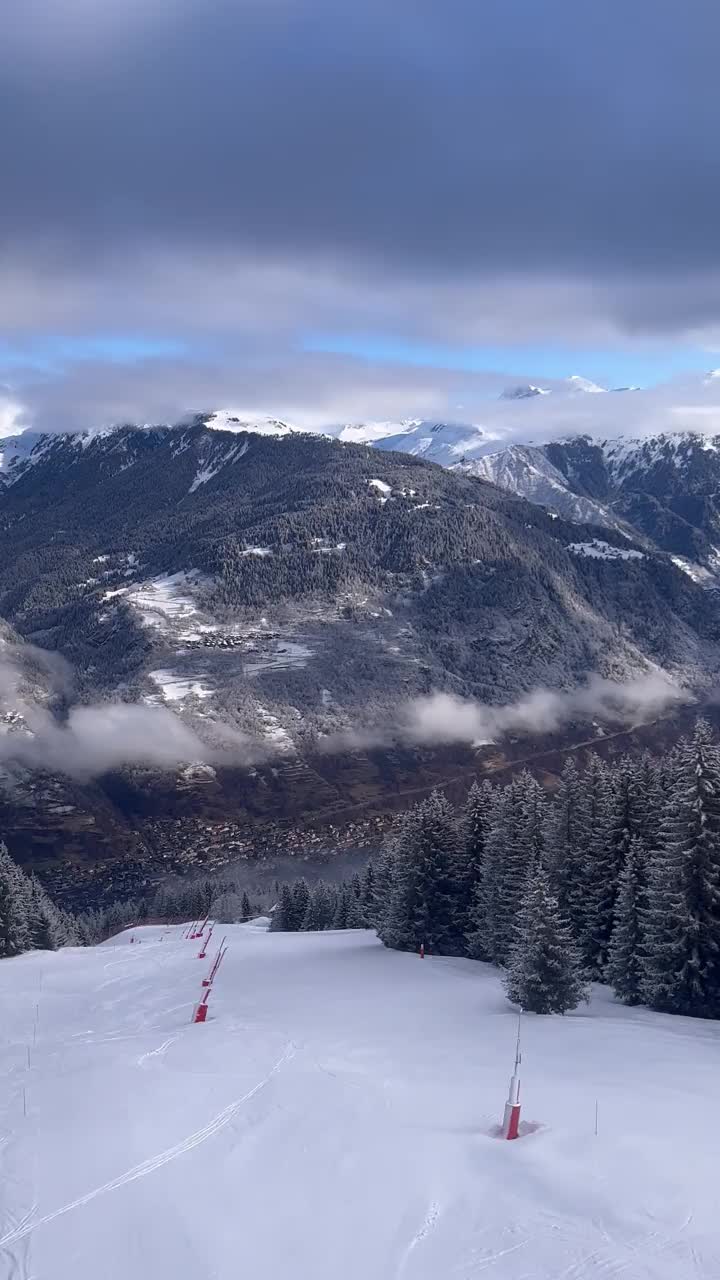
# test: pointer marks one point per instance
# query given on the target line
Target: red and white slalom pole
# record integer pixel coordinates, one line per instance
(205, 944)
(511, 1119)
(199, 932)
(190, 930)
(422, 951)
(201, 1008)
(207, 982)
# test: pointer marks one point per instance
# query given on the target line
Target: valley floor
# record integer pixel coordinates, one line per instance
(335, 1117)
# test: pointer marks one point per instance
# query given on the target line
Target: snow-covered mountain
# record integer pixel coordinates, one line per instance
(525, 391)
(233, 420)
(443, 442)
(527, 471)
(663, 487)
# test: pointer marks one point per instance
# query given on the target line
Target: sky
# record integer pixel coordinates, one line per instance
(334, 213)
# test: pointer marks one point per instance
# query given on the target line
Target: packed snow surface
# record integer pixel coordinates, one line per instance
(335, 1117)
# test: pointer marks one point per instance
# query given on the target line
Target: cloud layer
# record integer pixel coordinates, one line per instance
(236, 173)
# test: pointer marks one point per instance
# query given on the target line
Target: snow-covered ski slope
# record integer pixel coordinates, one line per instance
(333, 1120)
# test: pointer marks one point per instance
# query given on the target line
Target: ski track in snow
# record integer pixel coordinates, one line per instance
(156, 1053)
(220, 1121)
(426, 1227)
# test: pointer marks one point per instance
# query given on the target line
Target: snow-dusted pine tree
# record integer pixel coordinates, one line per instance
(423, 905)
(384, 870)
(544, 972)
(682, 947)
(342, 905)
(513, 845)
(320, 908)
(567, 839)
(471, 852)
(15, 907)
(300, 897)
(625, 968)
(283, 917)
(245, 908)
(355, 917)
(601, 871)
(368, 893)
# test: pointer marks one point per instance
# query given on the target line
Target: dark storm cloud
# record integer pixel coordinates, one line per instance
(482, 136)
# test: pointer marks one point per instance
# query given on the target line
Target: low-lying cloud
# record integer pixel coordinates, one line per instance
(443, 718)
(93, 740)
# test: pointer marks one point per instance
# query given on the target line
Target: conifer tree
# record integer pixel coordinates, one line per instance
(367, 895)
(601, 870)
(469, 867)
(626, 960)
(682, 948)
(544, 972)
(320, 908)
(340, 918)
(511, 848)
(15, 933)
(300, 898)
(568, 835)
(423, 905)
(245, 907)
(384, 870)
(355, 917)
(283, 917)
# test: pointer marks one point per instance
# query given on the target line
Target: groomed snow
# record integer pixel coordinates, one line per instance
(599, 550)
(166, 599)
(175, 688)
(335, 1117)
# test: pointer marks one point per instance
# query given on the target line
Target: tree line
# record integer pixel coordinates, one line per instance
(615, 878)
(29, 919)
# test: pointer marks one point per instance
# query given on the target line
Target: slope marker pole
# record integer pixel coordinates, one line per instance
(511, 1119)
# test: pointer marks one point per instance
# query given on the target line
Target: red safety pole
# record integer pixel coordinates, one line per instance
(204, 945)
(200, 1011)
(422, 950)
(199, 932)
(207, 982)
(511, 1119)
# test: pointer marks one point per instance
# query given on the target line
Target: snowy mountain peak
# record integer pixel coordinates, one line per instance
(576, 383)
(369, 432)
(234, 420)
(525, 391)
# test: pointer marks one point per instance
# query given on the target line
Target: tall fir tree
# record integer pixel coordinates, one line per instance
(15, 908)
(245, 908)
(544, 973)
(423, 904)
(301, 898)
(342, 906)
(355, 917)
(283, 918)
(568, 836)
(471, 855)
(368, 892)
(682, 948)
(320, 908)
(601, 871)
(625, 968)
(513, 845)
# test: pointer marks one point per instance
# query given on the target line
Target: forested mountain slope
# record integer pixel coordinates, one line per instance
(295, 587)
